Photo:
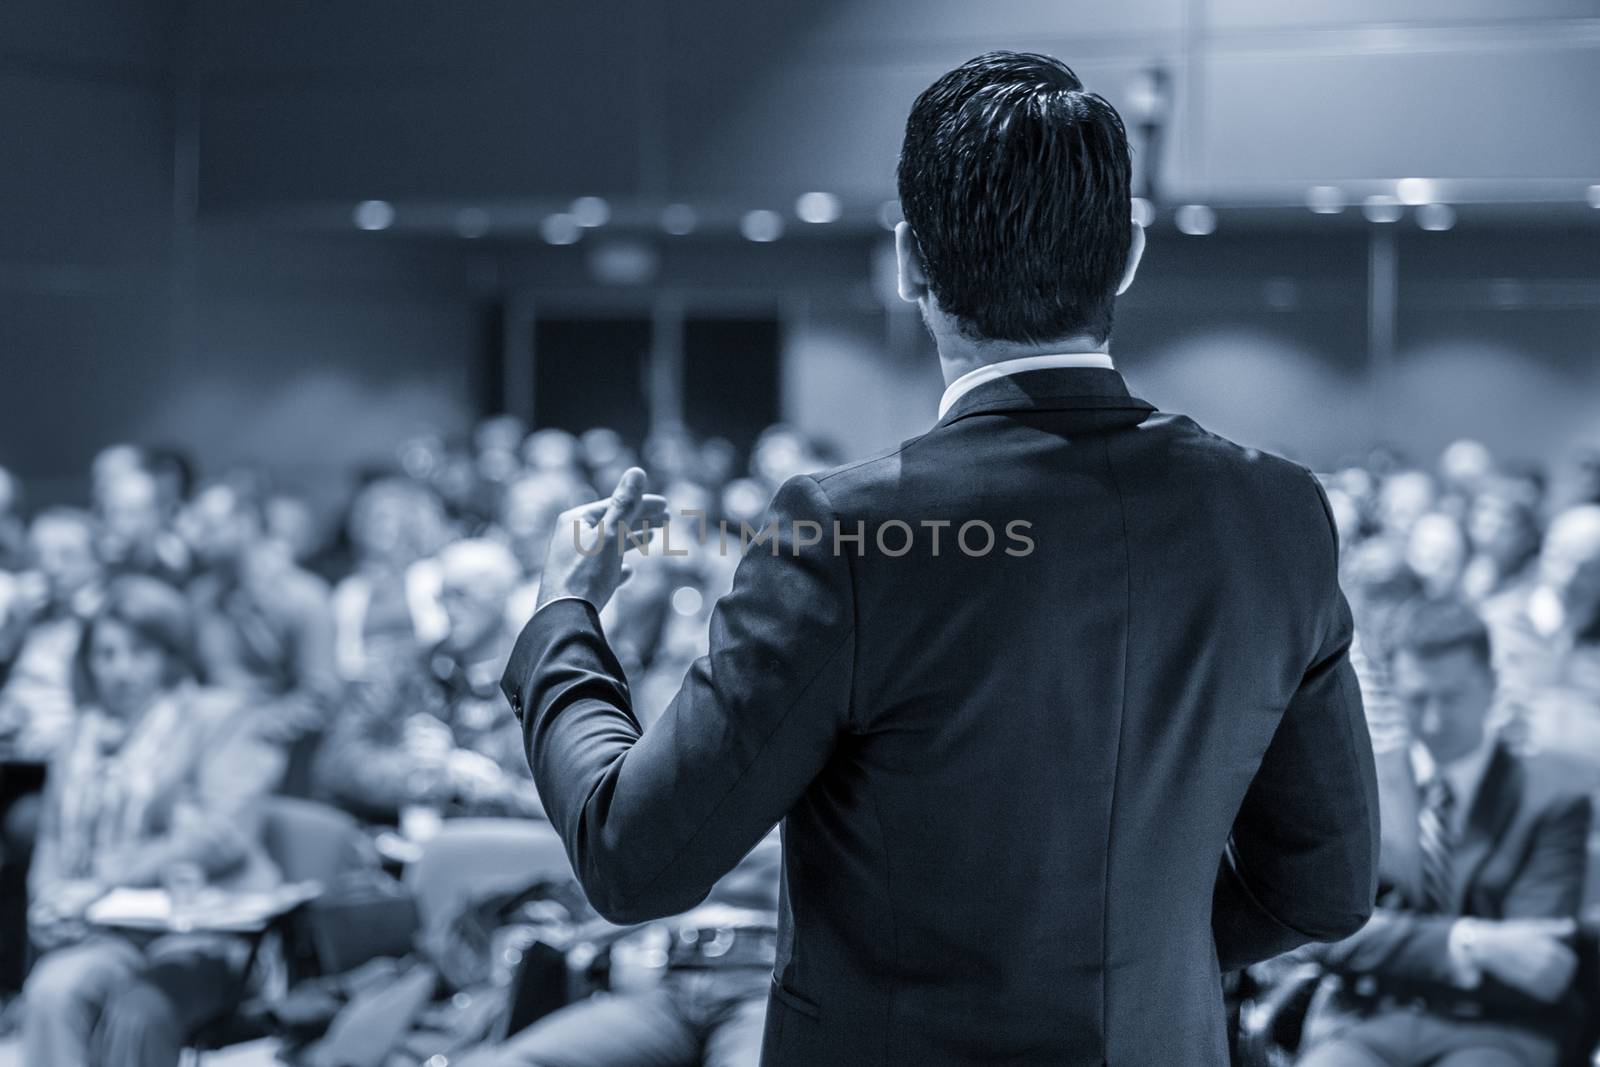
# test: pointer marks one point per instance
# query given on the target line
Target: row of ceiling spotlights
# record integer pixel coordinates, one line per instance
(590, 212)
(763, 225)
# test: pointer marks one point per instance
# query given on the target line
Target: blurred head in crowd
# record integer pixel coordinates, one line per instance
(1436, 551)
(222, 523)
(605, 456)
(780, 453)
(477, 576)
(497, 441)
(743, 500)
(1464, 465)
(600, 448)
(1443, 678)
(529, 509)
(291, 522)
(718, 460)
(61, 544)
(132, 512)
(670, 454)
(140, 643)
(1579, 477)
(1403, 498)
(553, 450)
(1018, 226)
(174, 474)
(1567, 598)
(1503, 522)
(112, 461)
(394, 522)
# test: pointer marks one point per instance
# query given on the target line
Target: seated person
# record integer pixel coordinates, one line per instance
(135, 534)
(388, 605)
(1547, 640)
(1469, 957)
(263, 624)
(42, 625)
(436, 732)
(161, 777)
(710, 1008)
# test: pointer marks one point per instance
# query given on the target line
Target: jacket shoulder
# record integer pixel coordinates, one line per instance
(1225, 452)
(878, 465)
(1556, 784)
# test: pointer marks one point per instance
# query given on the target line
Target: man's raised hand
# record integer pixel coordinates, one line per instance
(585, 557)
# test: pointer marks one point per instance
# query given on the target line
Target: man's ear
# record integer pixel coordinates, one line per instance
(1135, 254)
(913, 271)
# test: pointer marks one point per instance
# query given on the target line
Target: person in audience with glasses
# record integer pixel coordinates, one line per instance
(1470, 957)
(433, 730)
(160, 786)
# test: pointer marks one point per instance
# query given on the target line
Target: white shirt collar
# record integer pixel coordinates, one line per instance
(990, 371)
(1465, 775)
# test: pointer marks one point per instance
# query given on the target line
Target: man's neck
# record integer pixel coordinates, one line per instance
(960, 355)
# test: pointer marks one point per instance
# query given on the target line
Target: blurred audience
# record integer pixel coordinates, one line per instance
(183, 618)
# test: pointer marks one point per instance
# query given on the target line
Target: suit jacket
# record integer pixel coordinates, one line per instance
(1033, 801)
(1521, 855)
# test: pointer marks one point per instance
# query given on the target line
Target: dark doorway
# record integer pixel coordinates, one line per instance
(730, 376)
(591, 372)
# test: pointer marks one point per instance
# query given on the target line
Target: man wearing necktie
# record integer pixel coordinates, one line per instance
(1469, 959)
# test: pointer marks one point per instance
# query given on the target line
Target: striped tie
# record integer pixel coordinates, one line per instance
(1437, 840)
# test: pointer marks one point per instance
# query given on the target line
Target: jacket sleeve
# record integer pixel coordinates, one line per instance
(1302, 861)
(1410, 947)
(651, 818)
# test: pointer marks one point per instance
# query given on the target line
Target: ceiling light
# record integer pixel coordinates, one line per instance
(1436, 217)
(589, 211)
(818, 207)
(560, 229)
(374, 214)
(1380, 207)
(1196, 220)
(679, 219)
(1325, 199)
(761, 225)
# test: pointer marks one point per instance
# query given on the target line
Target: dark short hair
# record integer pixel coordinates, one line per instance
(1016, 183)
(157, 613)
(1429, 628)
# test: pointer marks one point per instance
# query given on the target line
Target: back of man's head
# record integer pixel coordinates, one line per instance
(1016, 183)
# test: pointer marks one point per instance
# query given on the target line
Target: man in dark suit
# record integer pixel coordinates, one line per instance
(1052, 700)
(1470, 959)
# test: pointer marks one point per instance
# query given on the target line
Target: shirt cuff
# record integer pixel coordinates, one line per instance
(1464, 969)
(559, 599)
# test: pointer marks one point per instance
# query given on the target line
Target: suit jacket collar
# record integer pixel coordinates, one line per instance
(1077, 388)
